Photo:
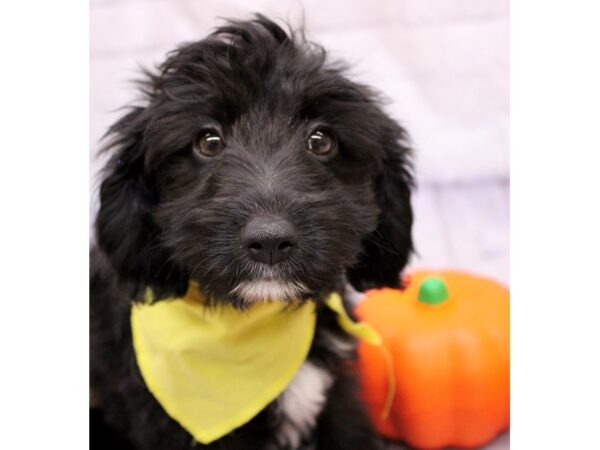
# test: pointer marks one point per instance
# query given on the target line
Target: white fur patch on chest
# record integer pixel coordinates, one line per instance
(301, 403)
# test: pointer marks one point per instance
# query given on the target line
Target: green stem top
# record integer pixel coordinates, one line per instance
(433, 291)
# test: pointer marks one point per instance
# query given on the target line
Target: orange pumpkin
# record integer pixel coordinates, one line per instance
(446, 340)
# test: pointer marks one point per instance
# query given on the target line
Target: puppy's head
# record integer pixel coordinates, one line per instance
(257, 169)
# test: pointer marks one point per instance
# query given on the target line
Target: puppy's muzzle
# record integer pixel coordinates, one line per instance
(269, 239)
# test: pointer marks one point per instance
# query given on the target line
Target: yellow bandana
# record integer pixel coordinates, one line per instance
(214, 368)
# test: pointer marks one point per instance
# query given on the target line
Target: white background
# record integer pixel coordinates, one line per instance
(554, 225)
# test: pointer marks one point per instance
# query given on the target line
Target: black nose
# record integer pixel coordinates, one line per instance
(269, 239)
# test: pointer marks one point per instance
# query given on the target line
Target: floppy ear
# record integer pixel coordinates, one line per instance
(387, 250)
(125, 229)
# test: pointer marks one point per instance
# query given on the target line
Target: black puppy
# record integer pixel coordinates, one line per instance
(257, 169)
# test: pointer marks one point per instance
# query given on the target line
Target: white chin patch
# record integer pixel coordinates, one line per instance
(268, 290)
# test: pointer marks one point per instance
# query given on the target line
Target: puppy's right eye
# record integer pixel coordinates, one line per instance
(209, 144)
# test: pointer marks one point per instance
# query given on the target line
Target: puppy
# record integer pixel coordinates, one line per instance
(256, 169)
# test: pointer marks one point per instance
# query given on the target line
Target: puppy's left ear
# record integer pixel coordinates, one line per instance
(387, 250)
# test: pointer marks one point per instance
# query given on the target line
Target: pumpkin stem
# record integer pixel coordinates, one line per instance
(433, 291)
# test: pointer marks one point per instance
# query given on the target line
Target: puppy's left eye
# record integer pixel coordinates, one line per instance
(209, 144)
(321, 143)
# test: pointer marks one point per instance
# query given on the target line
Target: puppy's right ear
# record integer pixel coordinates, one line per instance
(125, 229)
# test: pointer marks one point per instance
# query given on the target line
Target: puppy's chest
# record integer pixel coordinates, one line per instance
(306, 396)
(300, 405)
(186, 352)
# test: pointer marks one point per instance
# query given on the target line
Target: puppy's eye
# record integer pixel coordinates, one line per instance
(321, 143)
(209, 144)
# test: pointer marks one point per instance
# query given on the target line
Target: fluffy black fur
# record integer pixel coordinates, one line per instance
(168, 215)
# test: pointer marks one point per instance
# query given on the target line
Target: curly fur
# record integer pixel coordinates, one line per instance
(168, 216)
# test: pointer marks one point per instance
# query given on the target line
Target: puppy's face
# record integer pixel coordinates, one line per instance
(272, 203)
(258, 171)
